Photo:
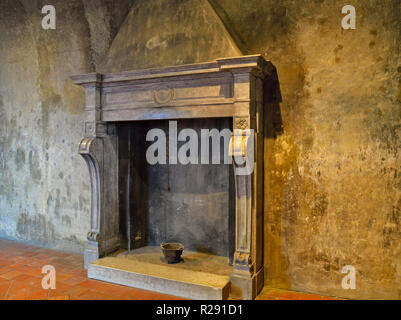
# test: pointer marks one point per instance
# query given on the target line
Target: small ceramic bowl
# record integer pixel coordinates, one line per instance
(172, 252)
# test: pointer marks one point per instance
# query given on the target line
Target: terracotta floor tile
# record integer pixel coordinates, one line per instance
(45, 259)
(14, 265)
(21, 273)
(6, 262)
(331, 298)
(21, 260)
(4, 288)
(290, 296)
(76, 291)
(10, 274)
(20, 295)
(28, 254)
(3, 280)
(61, 289)
(93, 295)
(76, 272)
(74, 280)
(37, 294)
(111, 286)
(60, 276)
(118, 294)
(55, 253)
(311, 297)
(29, 280)
(5, 270)
(36, 263)
(17, 291)
(59, 298)
(35, 272)
(91, 284)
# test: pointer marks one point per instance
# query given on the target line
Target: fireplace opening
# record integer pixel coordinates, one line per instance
(192, 204)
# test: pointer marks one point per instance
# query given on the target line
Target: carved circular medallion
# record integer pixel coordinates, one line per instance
(241, 123)
(163, 95)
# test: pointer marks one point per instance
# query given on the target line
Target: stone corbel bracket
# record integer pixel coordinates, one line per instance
(99, 150)
(88, 148)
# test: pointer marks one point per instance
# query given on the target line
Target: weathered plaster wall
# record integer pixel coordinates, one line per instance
(44, 187)
(169, 32)
(333, 180)
(333, 175)
(333, 195)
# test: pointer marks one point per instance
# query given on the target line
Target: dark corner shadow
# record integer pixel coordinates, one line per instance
(272, 98)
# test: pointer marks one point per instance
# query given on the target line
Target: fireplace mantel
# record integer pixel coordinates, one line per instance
(229, 87)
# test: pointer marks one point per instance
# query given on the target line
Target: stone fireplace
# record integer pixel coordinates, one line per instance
(122, 243)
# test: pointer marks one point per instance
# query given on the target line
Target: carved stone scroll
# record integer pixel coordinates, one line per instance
(101, 159)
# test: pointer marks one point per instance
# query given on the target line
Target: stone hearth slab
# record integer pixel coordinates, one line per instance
(164, 279)
(193, 260)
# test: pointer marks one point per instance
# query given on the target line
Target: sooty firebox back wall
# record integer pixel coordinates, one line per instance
(191, 204)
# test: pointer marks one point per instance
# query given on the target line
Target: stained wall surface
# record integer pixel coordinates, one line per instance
(332, 169)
